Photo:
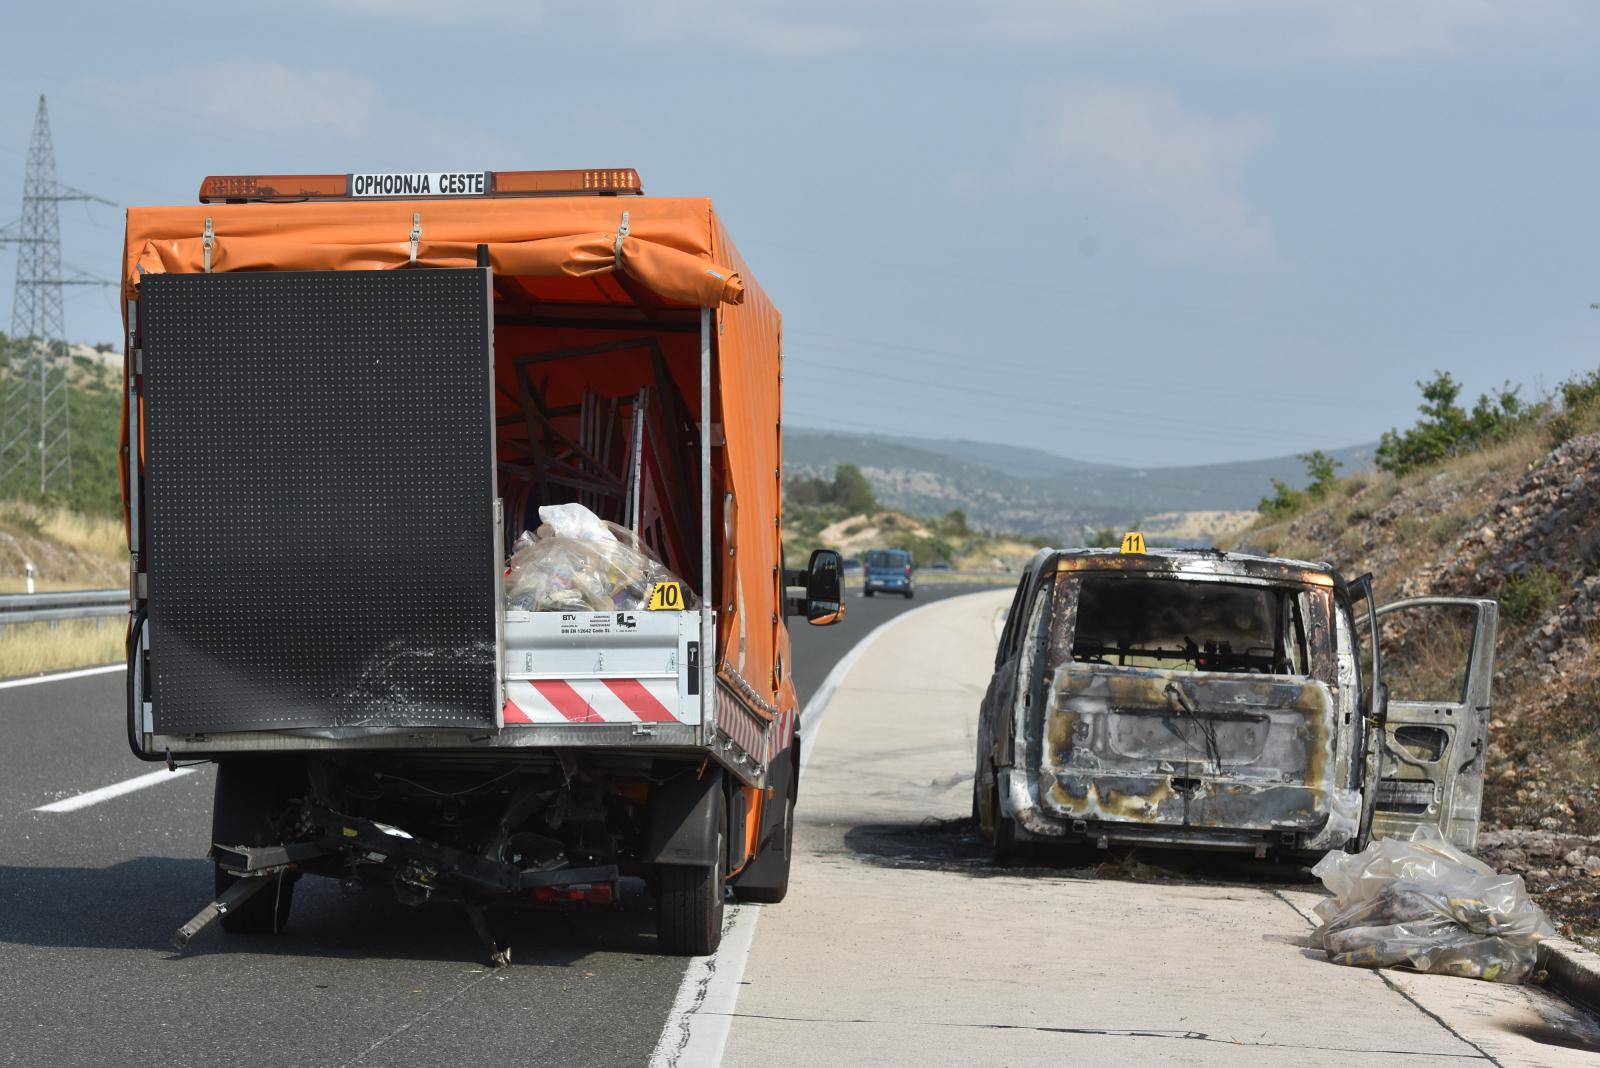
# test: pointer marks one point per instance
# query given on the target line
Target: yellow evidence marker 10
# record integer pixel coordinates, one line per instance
(666, 597)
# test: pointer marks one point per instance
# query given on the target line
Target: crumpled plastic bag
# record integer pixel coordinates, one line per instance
(1426, 905)
(577, 562)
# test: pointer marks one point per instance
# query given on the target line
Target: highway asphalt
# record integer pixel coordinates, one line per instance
(89, 899)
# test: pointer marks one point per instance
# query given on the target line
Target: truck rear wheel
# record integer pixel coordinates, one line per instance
(1003, 845)
(689, 907)
(250, 794)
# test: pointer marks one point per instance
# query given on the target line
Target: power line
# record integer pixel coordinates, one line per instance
(797, 409)
(1137, 381)
(1053, 404)
(35, 427)
(1187, 314)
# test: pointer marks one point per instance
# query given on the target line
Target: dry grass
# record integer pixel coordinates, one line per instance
(29, 648)
(68, 550)
(1213, 525)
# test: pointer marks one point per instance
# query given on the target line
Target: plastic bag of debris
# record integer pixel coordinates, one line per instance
(1426, 905)
(577, 562)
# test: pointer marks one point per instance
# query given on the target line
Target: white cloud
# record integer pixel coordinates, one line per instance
(261, 96)
(1174, 175)
(1228, 31)
(291, 114)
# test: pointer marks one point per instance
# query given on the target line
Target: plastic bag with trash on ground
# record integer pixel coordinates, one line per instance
(578, 562)
(1426, 905)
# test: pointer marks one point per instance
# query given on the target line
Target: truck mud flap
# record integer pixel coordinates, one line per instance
(767, 868)
(684, 814)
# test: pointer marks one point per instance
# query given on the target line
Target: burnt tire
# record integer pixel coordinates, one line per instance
(977, 812)
(1003, 844)
(689, 907)
(267, 912)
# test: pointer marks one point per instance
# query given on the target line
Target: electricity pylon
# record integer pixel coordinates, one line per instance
(35, 431)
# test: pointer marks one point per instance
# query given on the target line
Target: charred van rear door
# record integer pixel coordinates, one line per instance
(1438, 661)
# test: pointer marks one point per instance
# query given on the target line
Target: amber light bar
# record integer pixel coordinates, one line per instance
(547, 183)
(411, 185)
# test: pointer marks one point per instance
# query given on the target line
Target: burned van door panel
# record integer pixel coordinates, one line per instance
(1370, 702)
(1438, 661)
(1193, 749)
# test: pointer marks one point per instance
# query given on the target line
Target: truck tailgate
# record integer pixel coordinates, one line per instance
(602, 667)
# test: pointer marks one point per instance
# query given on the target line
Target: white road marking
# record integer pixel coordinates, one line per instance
(116, 789)
(696, 1030)
(62, 676)
(702, 1014)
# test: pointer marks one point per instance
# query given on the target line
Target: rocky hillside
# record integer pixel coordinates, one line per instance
(1519, 521)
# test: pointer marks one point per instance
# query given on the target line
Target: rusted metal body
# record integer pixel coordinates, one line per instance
(1183, 698)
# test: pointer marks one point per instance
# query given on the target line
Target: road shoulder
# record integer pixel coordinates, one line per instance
(895, 946)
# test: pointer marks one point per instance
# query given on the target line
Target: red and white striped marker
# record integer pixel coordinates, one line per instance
(591, 701)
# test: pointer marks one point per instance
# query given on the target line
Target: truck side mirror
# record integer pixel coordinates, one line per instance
(824, 582)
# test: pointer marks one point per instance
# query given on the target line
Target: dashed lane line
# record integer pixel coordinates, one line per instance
(62, 676)
(116, 789)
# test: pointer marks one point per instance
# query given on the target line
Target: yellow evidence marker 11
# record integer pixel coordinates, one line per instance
(1133, 542)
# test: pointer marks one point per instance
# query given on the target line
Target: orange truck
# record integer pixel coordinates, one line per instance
(348, 397)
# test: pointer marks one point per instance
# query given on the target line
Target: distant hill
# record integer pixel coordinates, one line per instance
(1031, 491)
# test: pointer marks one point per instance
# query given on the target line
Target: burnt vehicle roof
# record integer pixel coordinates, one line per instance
(1185, 562)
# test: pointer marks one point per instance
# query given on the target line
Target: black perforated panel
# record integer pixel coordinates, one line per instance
(320, 488)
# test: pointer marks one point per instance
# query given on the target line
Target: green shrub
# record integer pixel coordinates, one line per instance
(849, 489)
(1447, 528)
(1526, 597)
(1286, 500)
(1407, 529)
(1446, 429)
(954, 524)
(94, 412)
(1580, 408)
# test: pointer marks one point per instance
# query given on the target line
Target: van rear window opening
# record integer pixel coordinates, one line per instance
(1196, 626)
(888, 558)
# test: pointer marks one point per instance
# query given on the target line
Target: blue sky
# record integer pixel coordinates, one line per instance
(1214, 229)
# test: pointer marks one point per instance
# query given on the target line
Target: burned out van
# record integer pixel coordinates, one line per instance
(1216, 700)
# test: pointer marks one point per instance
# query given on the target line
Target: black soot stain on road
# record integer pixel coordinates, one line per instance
(954, 845)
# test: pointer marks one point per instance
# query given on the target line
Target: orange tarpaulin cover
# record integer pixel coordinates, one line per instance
(676, 248)
(667, 252)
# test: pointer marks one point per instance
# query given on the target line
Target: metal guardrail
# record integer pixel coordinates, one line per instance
(67, 604)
